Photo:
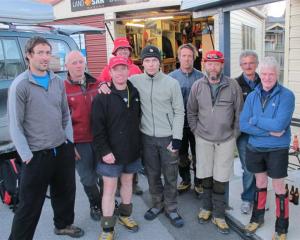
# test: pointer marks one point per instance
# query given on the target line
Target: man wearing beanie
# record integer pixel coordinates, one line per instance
(213, 110)
(161, 127)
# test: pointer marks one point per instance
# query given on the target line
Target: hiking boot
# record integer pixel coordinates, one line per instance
(279, 236)
(198, 189)
(129, 223)
(221, 225)
(71, 231)
(137, 190)
(204, 216)
(246, 207)
(107, 236)
(251, 228)
(183, 187)
(175, 219)
(152, 213)
(95, 213)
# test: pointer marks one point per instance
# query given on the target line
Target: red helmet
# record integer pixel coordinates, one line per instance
(121, 42)
(214, 56)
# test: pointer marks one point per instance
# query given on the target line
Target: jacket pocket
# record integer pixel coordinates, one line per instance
(169, 121)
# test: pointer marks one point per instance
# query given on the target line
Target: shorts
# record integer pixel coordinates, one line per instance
(116, 170)
(214, 159)
(275, 163)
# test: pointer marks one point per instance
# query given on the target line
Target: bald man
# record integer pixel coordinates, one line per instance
(81, 88)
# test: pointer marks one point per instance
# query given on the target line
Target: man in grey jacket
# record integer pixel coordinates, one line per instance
(38, 119)
(161, 127)
(213, 110)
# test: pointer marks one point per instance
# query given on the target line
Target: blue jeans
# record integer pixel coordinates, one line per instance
(248, 177)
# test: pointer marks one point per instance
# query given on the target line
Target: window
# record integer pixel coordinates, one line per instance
(248, 38)
(11, 63)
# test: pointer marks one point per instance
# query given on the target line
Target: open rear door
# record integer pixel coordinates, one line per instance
(26, 12)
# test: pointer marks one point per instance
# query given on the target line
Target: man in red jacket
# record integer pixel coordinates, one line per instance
(122, 48)
(81, 88)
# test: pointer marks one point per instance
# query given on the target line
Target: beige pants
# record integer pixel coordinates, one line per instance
(215, 159)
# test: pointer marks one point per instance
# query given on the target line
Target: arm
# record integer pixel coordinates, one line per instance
(105, 75)
(283, 117)
(66, 118)
(238, 106)
(99, 129)
(178, 109)
(16, 111)
(245, 116)
(192, 108)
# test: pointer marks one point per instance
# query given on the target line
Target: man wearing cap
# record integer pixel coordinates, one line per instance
(115, 120)
(161, 127)
(186, 75)
(213, 112)
(81, 88)
(122, 48)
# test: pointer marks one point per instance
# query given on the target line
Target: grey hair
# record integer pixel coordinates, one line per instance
(67, 58)
(269, 62)
(248, 53)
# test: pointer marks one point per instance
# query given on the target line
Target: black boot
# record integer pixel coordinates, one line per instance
(282, 214)
(94, 197)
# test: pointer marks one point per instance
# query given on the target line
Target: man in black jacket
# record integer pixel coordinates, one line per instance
(115, 126)
(247, 81)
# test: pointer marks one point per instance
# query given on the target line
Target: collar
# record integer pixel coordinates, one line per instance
(32, 80)
(88, 78)
(187, 74)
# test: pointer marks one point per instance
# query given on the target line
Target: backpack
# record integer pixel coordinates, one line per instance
(9, 182)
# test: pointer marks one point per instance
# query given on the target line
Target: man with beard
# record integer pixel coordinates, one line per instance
(38, 116)
(213, 112)
(186, 75)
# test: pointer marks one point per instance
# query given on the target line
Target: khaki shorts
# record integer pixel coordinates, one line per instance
(215, 159)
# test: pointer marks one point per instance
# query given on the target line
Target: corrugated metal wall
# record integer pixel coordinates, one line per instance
(95, 43)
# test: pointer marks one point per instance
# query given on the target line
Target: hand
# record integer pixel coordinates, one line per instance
(109, 158)
(104, 88)
(170, 148)
(77, 155)
(277, 134)
(27, 161)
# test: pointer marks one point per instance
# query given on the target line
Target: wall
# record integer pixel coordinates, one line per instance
(95, 43)
(237, 19)
(292, 51)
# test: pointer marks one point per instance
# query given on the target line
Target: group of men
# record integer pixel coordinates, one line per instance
(163, 122)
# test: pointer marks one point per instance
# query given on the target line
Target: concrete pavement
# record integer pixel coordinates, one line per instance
(159, 229)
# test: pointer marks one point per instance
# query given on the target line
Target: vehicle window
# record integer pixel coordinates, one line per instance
(10, 59)
(59, 51)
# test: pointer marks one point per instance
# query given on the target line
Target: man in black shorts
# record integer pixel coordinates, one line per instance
(266, 117)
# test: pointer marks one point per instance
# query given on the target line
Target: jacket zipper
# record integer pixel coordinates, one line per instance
(151, 100)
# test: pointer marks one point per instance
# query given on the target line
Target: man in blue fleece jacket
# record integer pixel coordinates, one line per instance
(266, 117)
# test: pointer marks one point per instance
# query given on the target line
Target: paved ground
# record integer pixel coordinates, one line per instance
(159, 229)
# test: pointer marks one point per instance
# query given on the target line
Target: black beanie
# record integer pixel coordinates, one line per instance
(150, 51)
